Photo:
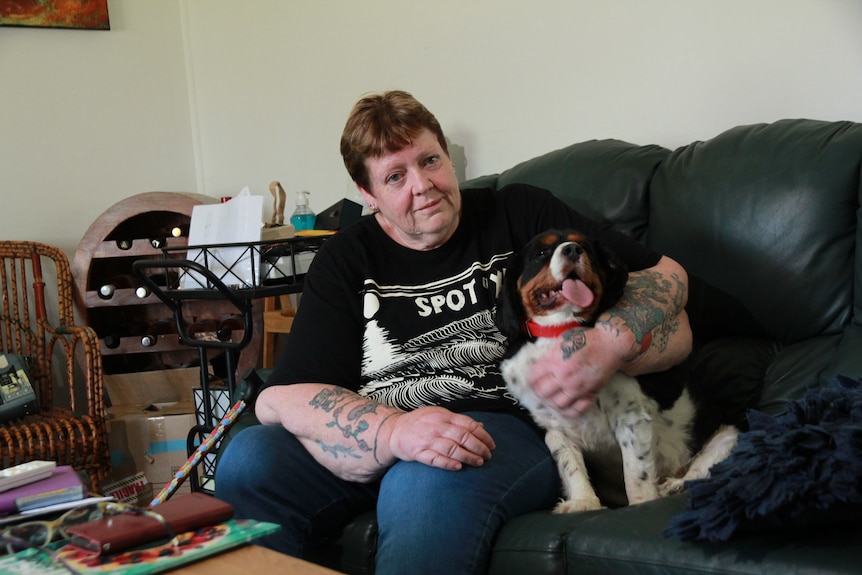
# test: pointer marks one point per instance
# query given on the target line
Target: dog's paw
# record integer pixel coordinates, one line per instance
(644, 497)
(574, 505)
(641, 491)
(671, 486)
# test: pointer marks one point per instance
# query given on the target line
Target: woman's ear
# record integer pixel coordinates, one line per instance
(369, 198)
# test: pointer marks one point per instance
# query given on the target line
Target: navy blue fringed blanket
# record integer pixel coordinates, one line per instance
(798, 468)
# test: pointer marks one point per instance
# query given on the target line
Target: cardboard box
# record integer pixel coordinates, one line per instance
(149, 421)
(134, 490)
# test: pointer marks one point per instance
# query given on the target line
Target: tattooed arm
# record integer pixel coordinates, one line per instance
(358, 439)
(646, 331)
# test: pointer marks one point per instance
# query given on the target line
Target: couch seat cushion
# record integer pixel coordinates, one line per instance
(629, 540)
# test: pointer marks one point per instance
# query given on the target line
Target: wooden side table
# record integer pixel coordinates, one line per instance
(252, 559)
(278, 314)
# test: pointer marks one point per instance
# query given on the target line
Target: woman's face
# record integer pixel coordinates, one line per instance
(415, 192)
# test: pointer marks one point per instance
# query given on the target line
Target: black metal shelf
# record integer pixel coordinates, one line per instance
(238, 273)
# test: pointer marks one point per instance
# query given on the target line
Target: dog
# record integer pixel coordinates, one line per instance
(561, 280)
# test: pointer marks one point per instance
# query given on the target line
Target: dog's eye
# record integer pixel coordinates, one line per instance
(543, 253)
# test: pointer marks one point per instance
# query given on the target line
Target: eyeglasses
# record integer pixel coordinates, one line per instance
(38, 534)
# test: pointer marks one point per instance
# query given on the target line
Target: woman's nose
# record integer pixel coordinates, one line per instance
(419, 182)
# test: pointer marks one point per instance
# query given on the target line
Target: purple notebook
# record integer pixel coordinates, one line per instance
(63, 486)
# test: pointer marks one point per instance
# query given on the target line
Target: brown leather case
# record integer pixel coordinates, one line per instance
(120, 532)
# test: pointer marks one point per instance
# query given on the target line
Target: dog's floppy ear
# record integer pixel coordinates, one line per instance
(616, 275)
(510, 309)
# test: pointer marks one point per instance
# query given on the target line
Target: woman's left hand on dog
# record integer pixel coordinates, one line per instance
(573, 372)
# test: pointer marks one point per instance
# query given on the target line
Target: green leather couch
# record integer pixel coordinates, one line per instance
(765, 218)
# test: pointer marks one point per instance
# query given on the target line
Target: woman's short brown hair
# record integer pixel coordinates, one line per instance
(380, 124)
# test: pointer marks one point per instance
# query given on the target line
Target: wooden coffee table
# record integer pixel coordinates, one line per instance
(252, 559)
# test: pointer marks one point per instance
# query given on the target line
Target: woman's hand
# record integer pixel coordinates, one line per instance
(572, 373)
(434, 436)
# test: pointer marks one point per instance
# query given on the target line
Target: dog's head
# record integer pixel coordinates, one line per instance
(559, 277)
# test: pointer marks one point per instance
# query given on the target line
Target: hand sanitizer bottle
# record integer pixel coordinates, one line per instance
(302, 218)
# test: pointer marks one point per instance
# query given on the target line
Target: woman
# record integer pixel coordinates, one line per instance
(389, 396)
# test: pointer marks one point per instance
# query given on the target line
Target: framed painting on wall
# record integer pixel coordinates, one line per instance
(82, 14)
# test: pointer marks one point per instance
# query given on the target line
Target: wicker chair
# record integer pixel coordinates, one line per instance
(65, 364)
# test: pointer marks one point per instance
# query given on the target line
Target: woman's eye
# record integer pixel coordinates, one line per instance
(393, 178)
(431, 160)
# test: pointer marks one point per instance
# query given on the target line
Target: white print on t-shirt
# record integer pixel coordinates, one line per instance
(452, 291)
(435, 342)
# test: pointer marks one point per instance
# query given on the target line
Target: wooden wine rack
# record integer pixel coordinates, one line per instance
(120, 236)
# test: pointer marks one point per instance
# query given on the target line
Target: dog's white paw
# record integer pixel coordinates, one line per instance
(574, 505)
(671, 486)
(644, 497)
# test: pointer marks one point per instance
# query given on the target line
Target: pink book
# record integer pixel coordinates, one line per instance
(63, 486)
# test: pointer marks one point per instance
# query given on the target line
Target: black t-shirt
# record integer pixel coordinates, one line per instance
(413, 328)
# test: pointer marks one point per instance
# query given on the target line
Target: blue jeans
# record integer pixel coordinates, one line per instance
(430, 520)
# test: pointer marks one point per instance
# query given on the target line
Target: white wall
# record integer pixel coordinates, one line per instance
(213, 95)
(88, 118)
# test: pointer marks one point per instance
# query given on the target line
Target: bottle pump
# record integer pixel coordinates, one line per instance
(302, 218)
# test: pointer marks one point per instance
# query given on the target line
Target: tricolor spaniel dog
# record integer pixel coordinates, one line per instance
(560, 281)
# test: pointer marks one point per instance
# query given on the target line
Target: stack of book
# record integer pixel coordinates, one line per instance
(139, 543)
(188, 548)
(37, 484)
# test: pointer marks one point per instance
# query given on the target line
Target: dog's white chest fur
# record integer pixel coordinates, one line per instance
(591, 431)
(653, 443)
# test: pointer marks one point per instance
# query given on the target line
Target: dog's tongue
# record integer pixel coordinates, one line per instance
(577, 293)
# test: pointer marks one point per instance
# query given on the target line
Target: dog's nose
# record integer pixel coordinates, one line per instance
(572, 250)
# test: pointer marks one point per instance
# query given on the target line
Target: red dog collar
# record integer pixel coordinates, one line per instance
(534, 329)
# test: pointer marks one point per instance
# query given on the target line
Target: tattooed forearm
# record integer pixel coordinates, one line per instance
(649, 308)
(338, 450)
(573, 341)
(348, 411)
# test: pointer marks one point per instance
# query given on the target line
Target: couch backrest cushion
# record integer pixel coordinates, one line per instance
(767, 214)
(606, 180)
